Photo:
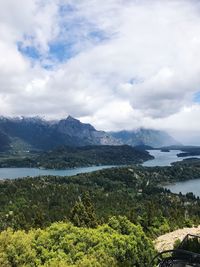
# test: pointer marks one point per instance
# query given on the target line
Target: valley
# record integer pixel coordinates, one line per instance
(112, 191)
(80, 185)
(116, 204)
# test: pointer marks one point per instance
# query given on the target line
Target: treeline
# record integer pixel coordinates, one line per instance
(189, 151)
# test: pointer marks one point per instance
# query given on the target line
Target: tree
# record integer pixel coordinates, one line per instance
(117, 244)
(83, 213)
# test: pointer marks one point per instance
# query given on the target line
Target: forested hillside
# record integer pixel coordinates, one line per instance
(132, 192)
(71, 157)
(115, 213)
(68, 157)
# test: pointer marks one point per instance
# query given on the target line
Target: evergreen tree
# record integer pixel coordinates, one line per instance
(83, 213)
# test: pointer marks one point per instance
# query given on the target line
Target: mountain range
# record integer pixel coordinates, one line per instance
(34, 133)
(145, 137)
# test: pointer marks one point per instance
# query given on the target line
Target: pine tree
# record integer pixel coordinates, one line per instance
(83, 213)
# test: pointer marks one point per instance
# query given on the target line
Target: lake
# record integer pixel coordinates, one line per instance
(11, 173)
(161, 159)
(186, 187)
(164, 158)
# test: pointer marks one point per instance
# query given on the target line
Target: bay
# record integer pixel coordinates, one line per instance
(160, 159)
(186, 187)
(164, 158)
(12, 173)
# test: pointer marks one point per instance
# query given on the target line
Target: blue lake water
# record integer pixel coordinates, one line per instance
(186, 187)
(11, 173)
(165, 159)
(161, 159)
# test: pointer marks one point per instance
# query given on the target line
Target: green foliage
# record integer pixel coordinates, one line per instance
(132, 192)
(70, 157)
(177, 243)
(107, 196)
(83, 214)
(120, 243)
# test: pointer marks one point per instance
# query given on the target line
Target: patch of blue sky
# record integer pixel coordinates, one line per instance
(58, 52)
(61, 51)
(73, 37)
(29, 51)
(196, 97)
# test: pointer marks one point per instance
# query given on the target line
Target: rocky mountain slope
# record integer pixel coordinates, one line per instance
(37, 134)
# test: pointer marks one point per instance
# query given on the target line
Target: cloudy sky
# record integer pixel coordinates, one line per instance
(118, 64)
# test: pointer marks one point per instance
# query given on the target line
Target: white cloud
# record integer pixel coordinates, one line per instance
(134, 63)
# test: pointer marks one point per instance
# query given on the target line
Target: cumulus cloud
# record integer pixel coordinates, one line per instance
(125, 64)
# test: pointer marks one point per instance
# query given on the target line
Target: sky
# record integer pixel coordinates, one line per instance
(117, 64)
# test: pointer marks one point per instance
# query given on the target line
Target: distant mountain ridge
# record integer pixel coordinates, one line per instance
(30, 133)
(145, 137)
(36, 133)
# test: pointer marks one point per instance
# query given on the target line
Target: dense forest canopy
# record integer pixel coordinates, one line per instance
(118, 243)
(69, 157)
(128, 191)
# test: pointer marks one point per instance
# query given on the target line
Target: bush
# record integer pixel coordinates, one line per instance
(120, 243)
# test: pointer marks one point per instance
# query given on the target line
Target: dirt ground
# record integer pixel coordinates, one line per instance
(165, 242)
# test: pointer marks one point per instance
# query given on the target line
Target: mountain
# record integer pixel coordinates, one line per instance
(35, 133)
(23, 134)
(4, 142)
(84, 133)
(146, 137)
